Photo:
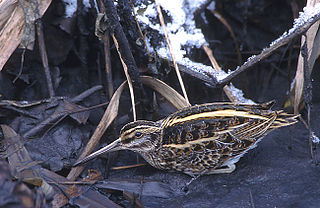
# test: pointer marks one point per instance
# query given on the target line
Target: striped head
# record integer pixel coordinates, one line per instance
(139, 136)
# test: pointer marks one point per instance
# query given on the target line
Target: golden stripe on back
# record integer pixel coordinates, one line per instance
(202, 139)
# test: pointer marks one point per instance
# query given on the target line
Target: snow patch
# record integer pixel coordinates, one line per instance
(239, 95)
(86, 3)
(314, 138)
(181, 30)
(212, 6)
(182, 33)
(248, 60)
(71, 6)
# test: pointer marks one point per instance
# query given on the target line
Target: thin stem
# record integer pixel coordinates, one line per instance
(171, 52)
(128, 78)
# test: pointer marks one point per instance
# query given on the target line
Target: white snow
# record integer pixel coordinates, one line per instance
(201, 68)
(239, 95)
(71, 6)
(249, 59)
(315, 139)
(86, 3)
(212, 6)
(182, 32)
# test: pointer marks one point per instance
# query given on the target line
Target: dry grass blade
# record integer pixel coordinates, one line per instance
(229, 28)
(216, 66)
(171, 52)
(108, 116)
(44, 58)
(213, 61)
(166, 91)
(128, 166)
(313, 42)
(142, 36)
(128, 78)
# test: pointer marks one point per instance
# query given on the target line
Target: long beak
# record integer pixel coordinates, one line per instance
(114, 146)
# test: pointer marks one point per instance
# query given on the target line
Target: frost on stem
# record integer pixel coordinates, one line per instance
(304, 17)
(314, 138)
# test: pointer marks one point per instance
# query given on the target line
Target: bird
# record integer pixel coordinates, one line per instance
(202, 139)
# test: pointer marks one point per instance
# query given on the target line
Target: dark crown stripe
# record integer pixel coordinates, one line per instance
(135, 124)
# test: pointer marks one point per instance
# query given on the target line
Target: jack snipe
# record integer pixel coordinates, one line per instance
(202, 139)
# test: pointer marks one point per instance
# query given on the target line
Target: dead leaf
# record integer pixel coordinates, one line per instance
(81, 196)
(109, 115)
(64, 108)
(12, 20)
(166, 91)
(24, 168)
(93, 175)
(313, 43)
(59, 200)
(73, 191)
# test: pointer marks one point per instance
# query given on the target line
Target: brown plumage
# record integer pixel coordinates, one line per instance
(202, 139)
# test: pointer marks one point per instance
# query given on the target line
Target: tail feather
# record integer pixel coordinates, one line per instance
(284, 119)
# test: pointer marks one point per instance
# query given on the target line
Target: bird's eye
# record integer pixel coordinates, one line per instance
(138, 134)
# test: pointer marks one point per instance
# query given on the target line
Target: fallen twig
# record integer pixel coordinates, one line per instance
(106, 47)
(21, 66)
(128, 166)
(213, 82)
(124, 48)
(307, 90)
(293, 33)
(61, 113)
(44, 57)
(85, 94)
(251, 199)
